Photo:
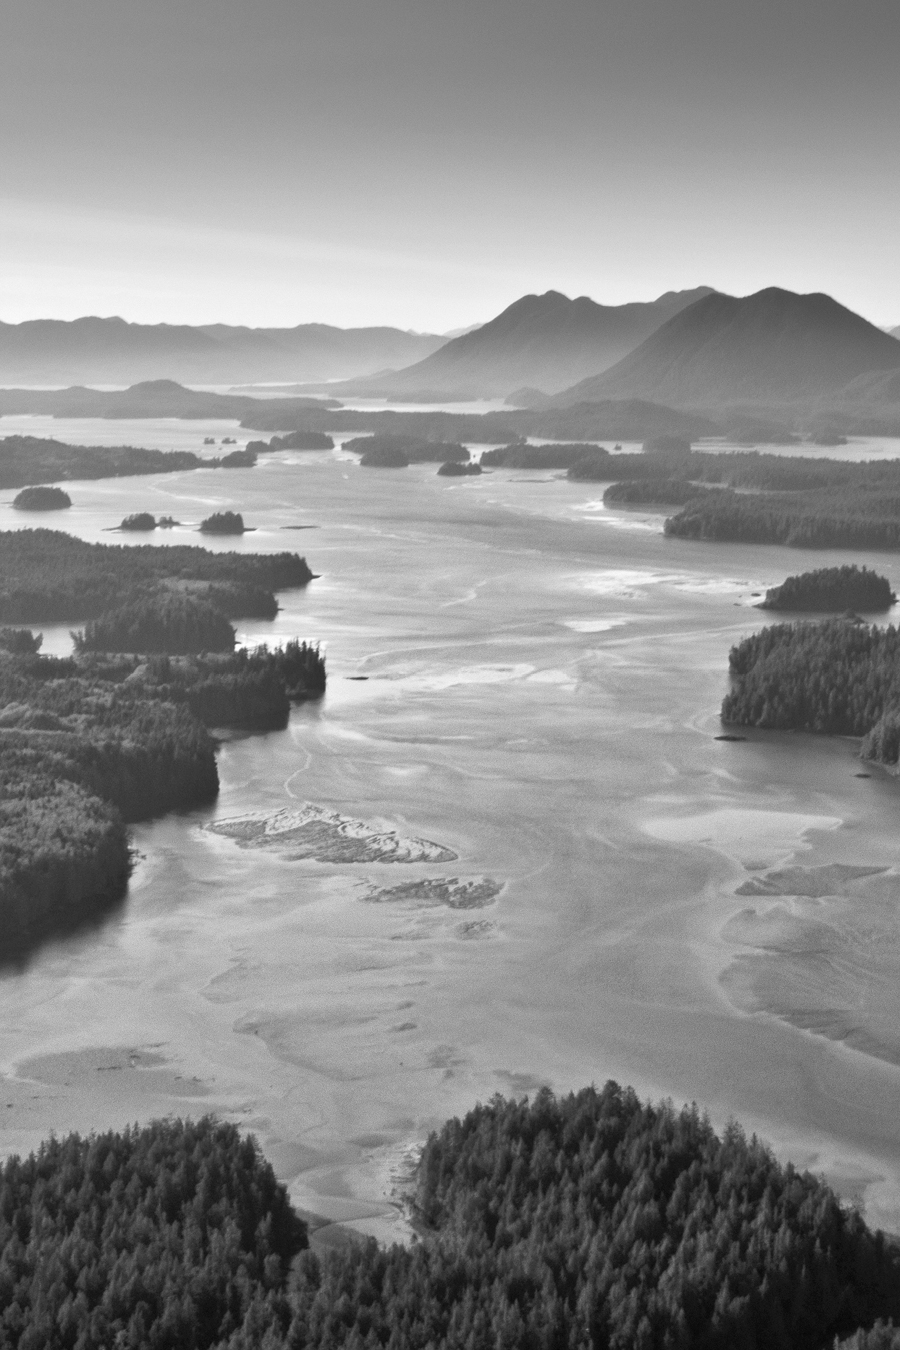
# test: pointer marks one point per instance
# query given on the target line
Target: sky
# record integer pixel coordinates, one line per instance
(423, 163)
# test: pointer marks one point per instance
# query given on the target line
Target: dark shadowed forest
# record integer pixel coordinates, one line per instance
(592, 1220)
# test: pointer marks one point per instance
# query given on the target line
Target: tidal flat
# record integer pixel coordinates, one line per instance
(513, 854)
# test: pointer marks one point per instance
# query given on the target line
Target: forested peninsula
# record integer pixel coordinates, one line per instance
(592, 1220)
(119, 732)
(93, 742)
(750, 497)
(27, 460)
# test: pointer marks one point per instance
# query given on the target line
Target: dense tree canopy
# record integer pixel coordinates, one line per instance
(832, 588)
(836, 676)
(90, 743)
(802, 502)
(161, 1238)
(47, 576)
(589, 1222)
(41, 499)
(164, 620)
(223, 522)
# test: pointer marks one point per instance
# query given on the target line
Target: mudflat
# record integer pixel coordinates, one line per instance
(513, 854)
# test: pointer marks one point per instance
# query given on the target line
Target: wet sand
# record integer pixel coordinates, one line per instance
(513, 854)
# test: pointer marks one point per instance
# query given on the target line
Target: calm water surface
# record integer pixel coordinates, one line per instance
(708, 920)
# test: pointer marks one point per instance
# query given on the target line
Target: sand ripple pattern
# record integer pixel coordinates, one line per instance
(819, 950)
(312, 832)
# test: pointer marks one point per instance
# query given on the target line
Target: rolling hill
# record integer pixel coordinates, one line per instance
(547, 341)
(772, 348)
(111, 351)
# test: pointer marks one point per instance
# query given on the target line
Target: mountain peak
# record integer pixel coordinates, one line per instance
(544, 341)
(774, 346)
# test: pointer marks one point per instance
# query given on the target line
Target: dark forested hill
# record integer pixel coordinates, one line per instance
(588, 1222)
(770, 348)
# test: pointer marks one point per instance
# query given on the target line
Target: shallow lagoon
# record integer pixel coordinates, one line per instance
(606, 889)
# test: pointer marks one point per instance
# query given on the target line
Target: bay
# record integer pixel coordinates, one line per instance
(530, 682)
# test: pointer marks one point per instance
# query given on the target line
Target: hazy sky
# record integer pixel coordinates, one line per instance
(425, 162)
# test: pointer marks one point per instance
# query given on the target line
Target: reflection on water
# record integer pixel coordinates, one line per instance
(557, 875)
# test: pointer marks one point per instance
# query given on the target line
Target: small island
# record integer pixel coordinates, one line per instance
(223, 522)
(41, 499)
(297, 440)
(832, 589)
(453, 469)
(141, 520)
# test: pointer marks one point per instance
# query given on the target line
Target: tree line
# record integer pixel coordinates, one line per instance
(832, 588)
(47, 576)
(91, 743)
(835, 676)
(592, 1220)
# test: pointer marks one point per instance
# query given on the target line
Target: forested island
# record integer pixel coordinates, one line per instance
(223, 522)
(592, 1220)
(453, 469)
(139, 521)
(760, 498)
(47, 576)
(41, 499)
(837, 676)
(832, 589)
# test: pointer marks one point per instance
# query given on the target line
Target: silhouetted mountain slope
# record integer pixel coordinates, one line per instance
(544, 340)
(111, 351)
(770, 348)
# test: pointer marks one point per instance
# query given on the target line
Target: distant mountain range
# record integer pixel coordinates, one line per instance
(547, 341)
(695, 350)
(111, 351)
(773, 348)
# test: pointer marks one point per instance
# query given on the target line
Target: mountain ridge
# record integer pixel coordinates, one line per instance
(772, 347)
(112, 350)
(539, 340)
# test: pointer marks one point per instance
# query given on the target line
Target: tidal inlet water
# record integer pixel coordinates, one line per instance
(505, 850)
